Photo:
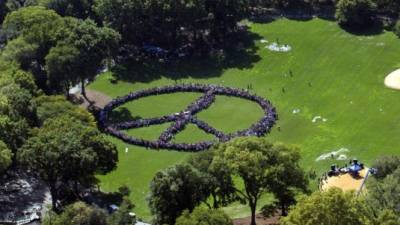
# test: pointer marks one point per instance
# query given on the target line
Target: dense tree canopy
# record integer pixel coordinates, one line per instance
(174, 190)
(218, 180)
(5, 157)
(170, 23)
(201, 216)
(49, 107)
(355, 13)
(122, 216)
(335, 207)
(64, 151)
(76, 8)
(60, 52)
(80, 56)
(384, 186)
(262, 167)
(77, 214)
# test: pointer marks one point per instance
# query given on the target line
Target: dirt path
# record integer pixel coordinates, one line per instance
(98, 99)
(260, 220)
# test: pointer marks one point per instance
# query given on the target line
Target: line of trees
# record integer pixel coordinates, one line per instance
(208, 178)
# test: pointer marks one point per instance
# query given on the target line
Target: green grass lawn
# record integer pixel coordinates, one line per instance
(336, 75)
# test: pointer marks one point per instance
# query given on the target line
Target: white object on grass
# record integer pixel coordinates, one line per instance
(334, 154)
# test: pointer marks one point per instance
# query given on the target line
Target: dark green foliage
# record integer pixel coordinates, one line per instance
(5, 157)
(77, 214)
(81, 55)
(384, 194)
(219, 181)
(170, 23)
(3, 11)
(386, 165)
(391, 7)
(60, 52)
(64, 151)
(201, 216)
(76, 8)
(14, 5)
(332, 207)
(121, 216)
(396, 29)
(49, 107)
(355, 13)
(262, 167)
(174, 190)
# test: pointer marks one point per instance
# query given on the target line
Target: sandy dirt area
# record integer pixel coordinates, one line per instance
(260, 220)
(345, 181)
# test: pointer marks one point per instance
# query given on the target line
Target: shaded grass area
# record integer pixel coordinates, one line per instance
(335, 74)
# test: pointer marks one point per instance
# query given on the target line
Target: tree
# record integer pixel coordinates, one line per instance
(383, 193)
(122, 216)
(76, 8)
(201, 216)
(174, 190)
(219, 181)
(14, 5)
(5, 157)
(388, 6)
(49, 107)
(34, 31)
(260, 165)
(172, 24)
(386, 165)
(77, 214)
(81, 55)
(13, 132)
(355, 13)
(61, 66)
(289, 177)
(66, 153)
(332, 207)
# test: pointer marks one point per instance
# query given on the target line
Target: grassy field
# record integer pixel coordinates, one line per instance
(336, 75)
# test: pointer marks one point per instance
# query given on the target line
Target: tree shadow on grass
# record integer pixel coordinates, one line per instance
(242, 56)
(374, 28)
(121, 114)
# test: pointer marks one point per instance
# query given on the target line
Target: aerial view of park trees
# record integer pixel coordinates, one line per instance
(47, 47)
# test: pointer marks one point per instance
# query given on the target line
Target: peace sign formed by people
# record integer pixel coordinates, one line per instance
(180, 119)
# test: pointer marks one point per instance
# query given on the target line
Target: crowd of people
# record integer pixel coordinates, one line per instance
(181, 119)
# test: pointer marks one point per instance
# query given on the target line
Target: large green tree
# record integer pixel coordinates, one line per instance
(82, 54)
(174, 190)
(201, 216)
(49, 107)
(33, 32)
(262, 167)
(76, 8)
(384, 193)
(77, 214)
(386, 165)
(219, 180)
(171, 23)
(355, 13)
(335, 207)
(67, 153)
